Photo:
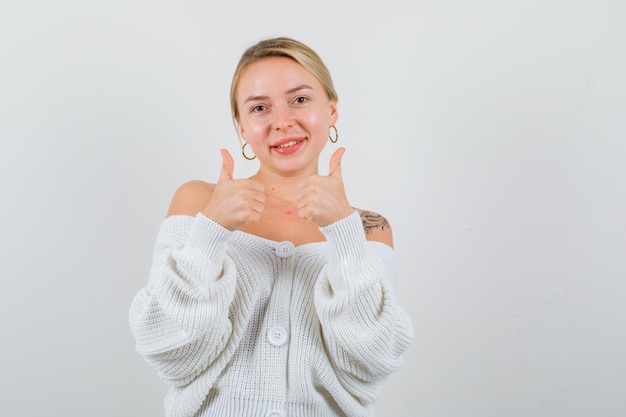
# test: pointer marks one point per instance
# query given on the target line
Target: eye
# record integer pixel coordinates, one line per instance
(259, 108)
(301, 100)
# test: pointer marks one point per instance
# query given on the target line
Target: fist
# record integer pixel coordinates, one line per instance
(235, 202)
(322, 199)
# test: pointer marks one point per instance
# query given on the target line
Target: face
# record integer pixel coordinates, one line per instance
(285, 115)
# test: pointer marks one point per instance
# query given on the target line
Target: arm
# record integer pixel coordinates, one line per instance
(364, 329)
(180, 320)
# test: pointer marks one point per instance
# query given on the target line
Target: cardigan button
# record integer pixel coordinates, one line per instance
(277, 336)
(285, 249)
(274, 413)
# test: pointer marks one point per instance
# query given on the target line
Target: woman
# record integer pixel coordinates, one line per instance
(271, 295)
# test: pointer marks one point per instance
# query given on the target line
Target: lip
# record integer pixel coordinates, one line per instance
(299, 141)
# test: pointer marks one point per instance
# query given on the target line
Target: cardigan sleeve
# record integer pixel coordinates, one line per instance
(180, 319)
(365, 331)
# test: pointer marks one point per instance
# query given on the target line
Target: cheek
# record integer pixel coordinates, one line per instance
(251, 131)
(317, 120)
(319, 126)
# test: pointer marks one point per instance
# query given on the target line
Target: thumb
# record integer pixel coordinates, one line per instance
(228, 166)
(335, 163)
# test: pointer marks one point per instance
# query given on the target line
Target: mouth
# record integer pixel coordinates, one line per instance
(287, 146)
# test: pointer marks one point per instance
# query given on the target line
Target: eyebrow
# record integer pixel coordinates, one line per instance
(290, 91)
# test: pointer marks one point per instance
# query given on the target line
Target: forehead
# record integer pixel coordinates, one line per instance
(274, 75)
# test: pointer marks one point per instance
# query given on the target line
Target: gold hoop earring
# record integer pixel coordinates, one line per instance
(243, 152)
(330, 135)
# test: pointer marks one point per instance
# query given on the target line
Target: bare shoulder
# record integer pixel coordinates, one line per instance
(190, 198)
(376, 227)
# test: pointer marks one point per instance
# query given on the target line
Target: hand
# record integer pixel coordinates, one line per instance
(235, 203)
(322, 199)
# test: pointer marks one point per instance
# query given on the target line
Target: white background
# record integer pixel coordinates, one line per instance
(491, 134)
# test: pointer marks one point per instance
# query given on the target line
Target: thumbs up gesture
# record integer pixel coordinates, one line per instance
(235, 202)
(322, 199)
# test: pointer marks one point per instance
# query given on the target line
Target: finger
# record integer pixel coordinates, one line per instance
(257, 186)
(304, 213)
(335, 163)
(258, 196)
(299, 196)
(301, 190)
(228, 165)
(257, 207)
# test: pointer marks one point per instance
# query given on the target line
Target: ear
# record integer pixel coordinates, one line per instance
(333, 113)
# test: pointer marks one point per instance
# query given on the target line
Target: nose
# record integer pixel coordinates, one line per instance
(282, 117)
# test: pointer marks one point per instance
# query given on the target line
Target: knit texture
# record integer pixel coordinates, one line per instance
(203, 321)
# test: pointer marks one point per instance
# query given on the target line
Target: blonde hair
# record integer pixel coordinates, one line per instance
(281, 47)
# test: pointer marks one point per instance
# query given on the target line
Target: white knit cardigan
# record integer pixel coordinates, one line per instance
(234, 329)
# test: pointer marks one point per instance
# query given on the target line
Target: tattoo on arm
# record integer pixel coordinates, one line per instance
(373, 221)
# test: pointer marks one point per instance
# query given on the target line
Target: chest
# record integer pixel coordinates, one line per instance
(285, 227)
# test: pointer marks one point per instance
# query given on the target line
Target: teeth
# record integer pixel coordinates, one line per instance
(288, 144)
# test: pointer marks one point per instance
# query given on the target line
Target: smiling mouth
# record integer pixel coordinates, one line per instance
(288, 144)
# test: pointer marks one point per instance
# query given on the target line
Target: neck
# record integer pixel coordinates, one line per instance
(280, 187)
